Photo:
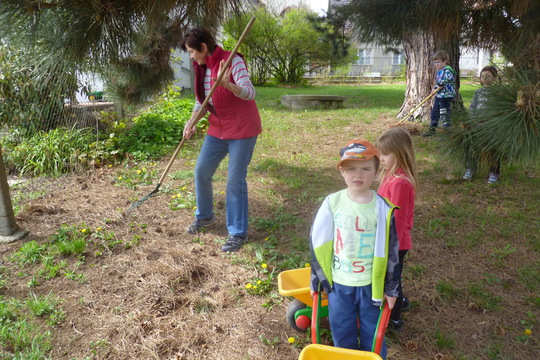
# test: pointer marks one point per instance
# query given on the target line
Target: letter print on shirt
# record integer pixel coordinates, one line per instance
(353, 248)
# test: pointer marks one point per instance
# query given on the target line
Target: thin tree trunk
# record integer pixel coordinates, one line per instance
(419, 49)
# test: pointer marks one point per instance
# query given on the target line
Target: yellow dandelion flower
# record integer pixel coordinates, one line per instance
(264, 266)
(194, 208)
(119, 178)
(307, 265)
(144, 169)
(254, 286)
(266, 239)
(110, 165)
(259, 282)
(528, 331)
(139, 172)
(83, 230)
(174, 196)
(222, 192)
(248, 286)
(291, 340)
(184, 188)
(98, 228)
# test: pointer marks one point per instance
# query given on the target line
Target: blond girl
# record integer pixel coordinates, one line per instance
(398, 181)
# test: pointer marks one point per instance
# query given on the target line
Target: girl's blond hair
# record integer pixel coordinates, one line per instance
(398, 141)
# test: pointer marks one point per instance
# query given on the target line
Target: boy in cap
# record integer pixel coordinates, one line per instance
(354, 251)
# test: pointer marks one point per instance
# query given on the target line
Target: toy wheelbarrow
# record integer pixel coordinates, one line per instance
(296, 283)
(325, 352)
(304, 312)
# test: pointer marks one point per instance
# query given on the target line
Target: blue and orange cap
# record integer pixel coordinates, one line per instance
(358, 150)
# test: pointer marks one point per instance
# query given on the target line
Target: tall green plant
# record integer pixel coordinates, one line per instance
(285, 46)
(30, 100)
(50, 153)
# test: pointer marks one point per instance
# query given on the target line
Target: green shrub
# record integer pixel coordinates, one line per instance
(49, 153)
(159, 129)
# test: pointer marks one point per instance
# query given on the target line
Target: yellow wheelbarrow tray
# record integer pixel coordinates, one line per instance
(325, 352)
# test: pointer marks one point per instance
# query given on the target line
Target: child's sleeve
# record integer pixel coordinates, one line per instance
(392, 270)
(322, 231)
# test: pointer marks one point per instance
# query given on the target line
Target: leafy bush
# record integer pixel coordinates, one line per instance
(153, 133)
(49, 153)
(149, 135)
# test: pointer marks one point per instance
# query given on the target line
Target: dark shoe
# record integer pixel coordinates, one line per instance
(430, 132)
(234, 243)
(396, 324)
(405, 305)
(199, 225)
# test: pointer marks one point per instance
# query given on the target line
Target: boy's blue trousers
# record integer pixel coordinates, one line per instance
(441, 111)
(346, 304)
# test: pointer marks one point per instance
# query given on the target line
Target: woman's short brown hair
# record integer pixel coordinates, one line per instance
(196, 36)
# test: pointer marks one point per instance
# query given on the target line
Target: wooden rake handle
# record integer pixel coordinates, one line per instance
(417, 106)
(214, 87)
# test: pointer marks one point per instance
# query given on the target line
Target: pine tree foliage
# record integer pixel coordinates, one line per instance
(493, 24)
(128, 41)
(509, 125)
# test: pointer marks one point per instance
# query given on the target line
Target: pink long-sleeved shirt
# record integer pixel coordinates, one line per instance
(400, 191)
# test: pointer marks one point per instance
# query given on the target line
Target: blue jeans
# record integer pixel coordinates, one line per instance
(346, 304)
(441, 110)
(213, 151)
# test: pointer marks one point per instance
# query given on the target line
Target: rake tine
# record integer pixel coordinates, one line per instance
(139, 202)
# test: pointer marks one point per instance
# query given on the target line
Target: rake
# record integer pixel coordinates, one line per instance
(199, 114)
(413, 110)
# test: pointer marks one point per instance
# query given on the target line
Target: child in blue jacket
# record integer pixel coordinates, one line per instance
(445, 86)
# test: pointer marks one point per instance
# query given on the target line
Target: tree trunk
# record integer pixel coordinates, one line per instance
(9, 231)
(419, 49)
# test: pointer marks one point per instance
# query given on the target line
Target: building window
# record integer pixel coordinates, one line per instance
(398, 58)
(364, 57)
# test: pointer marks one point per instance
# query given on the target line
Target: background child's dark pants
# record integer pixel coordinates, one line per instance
(441, 111)
(396, 311)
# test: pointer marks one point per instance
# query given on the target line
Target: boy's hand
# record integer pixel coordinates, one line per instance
(312, 292)
(391, 301)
